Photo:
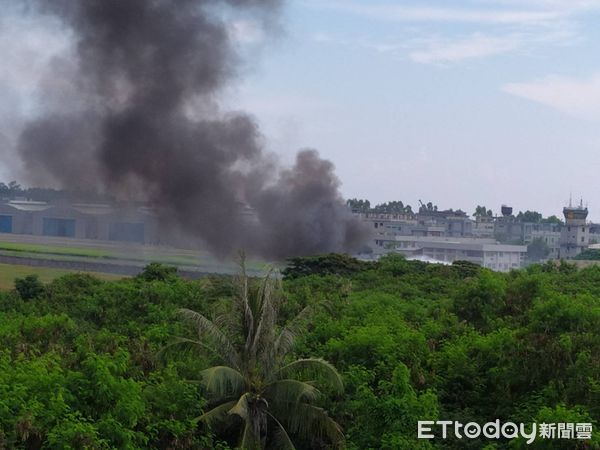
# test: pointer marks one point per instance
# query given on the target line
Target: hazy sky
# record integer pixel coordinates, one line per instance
(455, 102)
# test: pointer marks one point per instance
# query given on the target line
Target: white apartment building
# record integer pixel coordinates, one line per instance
(485, 252)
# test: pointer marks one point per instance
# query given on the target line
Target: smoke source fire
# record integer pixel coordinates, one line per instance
(124, 126)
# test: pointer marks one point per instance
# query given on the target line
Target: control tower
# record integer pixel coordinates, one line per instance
(575, 235)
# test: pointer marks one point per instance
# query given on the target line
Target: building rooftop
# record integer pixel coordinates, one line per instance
(26, 205)
(462, 243)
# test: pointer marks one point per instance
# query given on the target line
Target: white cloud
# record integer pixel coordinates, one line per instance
(565, 5)
(409, 13)
(501, 12)
(443, 50)
(475, 46)
(486, 27)
(577, 97)
(479, 45)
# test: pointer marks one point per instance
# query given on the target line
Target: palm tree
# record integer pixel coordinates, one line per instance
(274, 396)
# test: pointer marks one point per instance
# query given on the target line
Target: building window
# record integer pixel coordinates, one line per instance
(582, 239)
(568, 228)
(583, 229)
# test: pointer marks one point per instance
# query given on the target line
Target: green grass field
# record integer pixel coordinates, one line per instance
(61, 252)
(203, 261)
(53, 250)
(8, 273)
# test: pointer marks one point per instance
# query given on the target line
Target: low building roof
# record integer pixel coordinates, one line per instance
(26, 205)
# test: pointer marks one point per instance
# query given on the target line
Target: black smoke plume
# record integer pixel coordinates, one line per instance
(142, 121)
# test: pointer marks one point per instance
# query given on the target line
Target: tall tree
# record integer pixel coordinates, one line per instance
(359, 205)
(482, 211)
(529, 216)
(274, 396)
(553, 219)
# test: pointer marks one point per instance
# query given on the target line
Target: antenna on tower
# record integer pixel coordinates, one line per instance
(570, 199)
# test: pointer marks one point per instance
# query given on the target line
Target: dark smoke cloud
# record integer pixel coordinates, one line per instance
(137, 67)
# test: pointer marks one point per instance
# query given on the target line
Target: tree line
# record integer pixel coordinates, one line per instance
(335, 353)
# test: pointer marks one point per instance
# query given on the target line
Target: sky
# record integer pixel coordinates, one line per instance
(455, 102)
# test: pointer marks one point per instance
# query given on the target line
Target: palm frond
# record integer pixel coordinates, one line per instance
(287, 336)
(315, 369)
(183, 345)
(281, 440)
(249, 439)
(309, 421)
(291, 391)
(223, 381)
(244, 300)
(217, 414)
(263, 345)
(241, 408)
(206, 327)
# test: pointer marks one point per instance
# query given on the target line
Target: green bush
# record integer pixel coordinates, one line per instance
(29, 287)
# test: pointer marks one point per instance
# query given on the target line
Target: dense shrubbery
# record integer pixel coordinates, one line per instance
(80, 365)
(590, 255)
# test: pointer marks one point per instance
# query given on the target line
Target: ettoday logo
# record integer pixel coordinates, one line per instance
(429, 429)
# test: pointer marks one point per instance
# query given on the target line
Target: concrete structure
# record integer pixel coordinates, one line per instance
(575, 235)
(453, 223)
(483, 227)
(485, 252)
(509, 230)
(128, 223)
(564, 241)
(594, 233)
(433, 223)
(551, 239)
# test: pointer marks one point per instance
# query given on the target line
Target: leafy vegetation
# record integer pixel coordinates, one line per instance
(589, 255)
(272, 396)
(9, 272)
(330, 264)
(482, 211)
(81, 363)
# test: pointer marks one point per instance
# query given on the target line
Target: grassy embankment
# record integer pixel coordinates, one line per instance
(8, 273)
(203, 262)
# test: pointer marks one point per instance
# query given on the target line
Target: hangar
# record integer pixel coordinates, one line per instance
(127, 223)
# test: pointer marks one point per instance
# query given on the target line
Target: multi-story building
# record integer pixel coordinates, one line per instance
(485, 252)
(433, 223)
(594, 233)
(551, 239)
(507, 228)
(575, 235)
(483, 227)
